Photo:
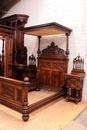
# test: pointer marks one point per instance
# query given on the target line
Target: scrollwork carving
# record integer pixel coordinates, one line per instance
(52, 49)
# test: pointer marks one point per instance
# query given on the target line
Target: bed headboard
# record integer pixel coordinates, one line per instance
(53, 52)
(52, 65)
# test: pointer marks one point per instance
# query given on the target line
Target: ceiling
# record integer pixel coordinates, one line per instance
(6, 5)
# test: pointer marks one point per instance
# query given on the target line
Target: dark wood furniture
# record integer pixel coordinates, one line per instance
(14, 93)
(52, 66)
(74, 80)
(31, 73)
(48, 29)
(2, 59)
(15, 51)
(20, 71)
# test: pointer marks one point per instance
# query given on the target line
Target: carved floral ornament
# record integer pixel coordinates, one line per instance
(52, 49)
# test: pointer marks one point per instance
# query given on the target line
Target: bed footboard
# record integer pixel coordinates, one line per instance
(14, 94)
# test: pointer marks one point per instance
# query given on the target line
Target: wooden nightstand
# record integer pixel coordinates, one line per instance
(74, 80)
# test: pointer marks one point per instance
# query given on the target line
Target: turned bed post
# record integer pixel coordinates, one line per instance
(67, 44)
(38, 52)
(25, 109)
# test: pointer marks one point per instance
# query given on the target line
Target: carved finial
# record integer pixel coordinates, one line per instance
(26, 79)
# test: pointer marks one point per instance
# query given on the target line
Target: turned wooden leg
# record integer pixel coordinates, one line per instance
(77, 96)
(25, 111)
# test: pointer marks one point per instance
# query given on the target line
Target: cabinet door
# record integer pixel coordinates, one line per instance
(73, 83)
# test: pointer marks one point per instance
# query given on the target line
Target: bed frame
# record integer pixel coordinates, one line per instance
(52, 64)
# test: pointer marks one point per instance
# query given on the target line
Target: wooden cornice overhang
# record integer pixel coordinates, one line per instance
(15, 20)
(52, 28)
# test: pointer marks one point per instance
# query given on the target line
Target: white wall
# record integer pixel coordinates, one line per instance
(72, 14)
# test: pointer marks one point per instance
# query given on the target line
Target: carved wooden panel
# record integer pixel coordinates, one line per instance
(19, 95)
(8, 91)
(51, 77)
(52, 65)
(14, 94)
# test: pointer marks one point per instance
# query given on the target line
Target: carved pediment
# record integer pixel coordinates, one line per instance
(53, 49)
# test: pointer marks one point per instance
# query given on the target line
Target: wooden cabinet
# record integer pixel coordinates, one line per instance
(74, 80)
(20, 71)
(15, 51)
(75, 86)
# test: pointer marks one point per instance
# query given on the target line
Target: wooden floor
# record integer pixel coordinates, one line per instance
(35, 96)
(54, 116)
(78, 123)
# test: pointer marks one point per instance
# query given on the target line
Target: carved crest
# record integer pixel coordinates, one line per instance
(53, 50)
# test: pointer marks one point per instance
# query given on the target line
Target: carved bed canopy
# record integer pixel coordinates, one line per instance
(52, 28)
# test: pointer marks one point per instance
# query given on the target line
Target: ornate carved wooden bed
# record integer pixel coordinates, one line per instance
(52, 64)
